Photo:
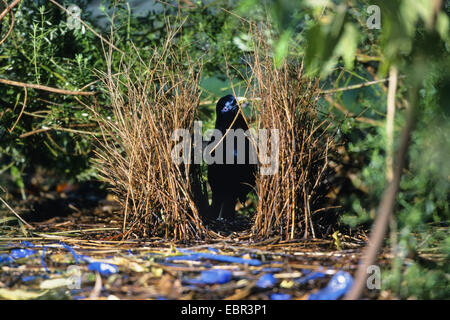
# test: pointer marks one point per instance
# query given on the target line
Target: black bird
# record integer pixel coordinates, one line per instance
(230, 182)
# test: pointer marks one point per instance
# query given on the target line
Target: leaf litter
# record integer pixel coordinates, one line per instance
(82, 257)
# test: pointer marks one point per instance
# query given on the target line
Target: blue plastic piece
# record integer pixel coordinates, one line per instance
(306, 271)
(339, 284)
(86, 258)
(34, 277)
(27, 244)
(70, 249)
(216, 276)
(21, 253)
(272, 269)
(192, 257)
(5, 258)
(211, 277)
(29, 278)
(216, 257)
(186, 251)
(280, 296)
(266, 281)
(44, 265)
(105, 269)
(310, 276)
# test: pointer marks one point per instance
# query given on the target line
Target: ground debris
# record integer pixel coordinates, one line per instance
(77, 258)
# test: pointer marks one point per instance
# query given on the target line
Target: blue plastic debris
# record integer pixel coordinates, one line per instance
(306, 271)
(213, 250)
(339, 284)
(216, 257)
(266, 281)
(193, 257)
(272, 269)
(5, 258)
(27, 244)
(21, 253)
(86, 258)
(29, 278)
(70, 249)
(216, 276)
(105, 269)
(44, 265)
(32, 278)
(186, 251)
(280, 296)
(310, 276)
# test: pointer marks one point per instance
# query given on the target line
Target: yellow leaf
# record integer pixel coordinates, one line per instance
(21, 294)
(337, 242)
(54, 283)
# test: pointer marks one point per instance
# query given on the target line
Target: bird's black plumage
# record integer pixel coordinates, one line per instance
(230, 182)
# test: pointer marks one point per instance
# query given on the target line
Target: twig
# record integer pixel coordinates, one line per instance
(30, 133)
(10, 27)
(190, 5)
(21, 111)
(384, 211)
(237, 16)
(352, 87)
(45, 88)
(390, 115)
(352, 115)
(86, 25)
(95, 293)
(16, 214)
(226, 132)
(8, 9)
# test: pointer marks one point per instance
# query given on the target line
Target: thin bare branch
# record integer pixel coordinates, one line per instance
(45, 88)
(16, 214)
(8, 9)
(86, 25)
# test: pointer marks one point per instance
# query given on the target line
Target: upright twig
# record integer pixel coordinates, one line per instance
(390, 115)
(16, 214)
(384, 210)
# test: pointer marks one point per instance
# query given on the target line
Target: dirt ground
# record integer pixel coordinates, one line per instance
(81, 256)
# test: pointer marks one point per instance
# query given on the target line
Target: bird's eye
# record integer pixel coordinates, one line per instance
(228, 106)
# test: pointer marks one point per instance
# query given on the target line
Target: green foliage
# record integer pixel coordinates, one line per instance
(343, 51)
(425, 255)
(42, 50)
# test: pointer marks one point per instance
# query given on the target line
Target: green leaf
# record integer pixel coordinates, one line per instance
(15, 172)
(442, 25)
(347, 45)
(282, 48)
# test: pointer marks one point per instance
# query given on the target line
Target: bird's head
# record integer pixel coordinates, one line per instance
(227, 105)
(226, 111)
